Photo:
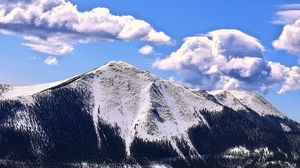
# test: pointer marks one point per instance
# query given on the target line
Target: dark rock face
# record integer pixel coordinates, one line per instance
(56, 130)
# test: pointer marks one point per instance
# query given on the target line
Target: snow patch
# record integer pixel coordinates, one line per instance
(285, 127)
(237, 152)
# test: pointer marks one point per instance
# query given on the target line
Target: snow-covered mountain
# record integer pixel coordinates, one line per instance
(120, 115)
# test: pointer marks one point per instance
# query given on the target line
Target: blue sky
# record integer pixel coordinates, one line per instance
(21, 64)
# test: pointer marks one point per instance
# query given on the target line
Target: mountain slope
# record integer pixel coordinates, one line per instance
(119, 114)
(241, 100)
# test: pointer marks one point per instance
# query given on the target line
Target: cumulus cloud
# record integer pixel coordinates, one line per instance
(55, 26)
(228, 59)
(289, 39)
(288, 76)
(51, 61)
(146, 50)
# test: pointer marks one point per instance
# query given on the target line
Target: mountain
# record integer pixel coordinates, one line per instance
(118, 115)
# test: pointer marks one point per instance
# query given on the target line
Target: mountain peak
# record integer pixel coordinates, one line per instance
(111, 68)
(114, 65)
(118, 64)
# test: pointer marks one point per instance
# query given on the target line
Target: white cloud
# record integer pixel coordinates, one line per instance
(286, 17)
(52, 45)
(234, 43)
(289, 39)
(292, 82)
(228, 59)
(146, 50)
(55, 26)
(288, 13)
(51, 61)
(289, 76)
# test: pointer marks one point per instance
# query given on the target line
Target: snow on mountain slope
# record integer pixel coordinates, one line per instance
(241, 100)
(144, 106)
(13, 92)
(227, 99)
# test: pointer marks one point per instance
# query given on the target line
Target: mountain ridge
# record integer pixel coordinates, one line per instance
(51, 85)
(145, 116)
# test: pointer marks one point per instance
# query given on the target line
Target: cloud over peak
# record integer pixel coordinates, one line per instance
(55, 26)
(228, 59)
